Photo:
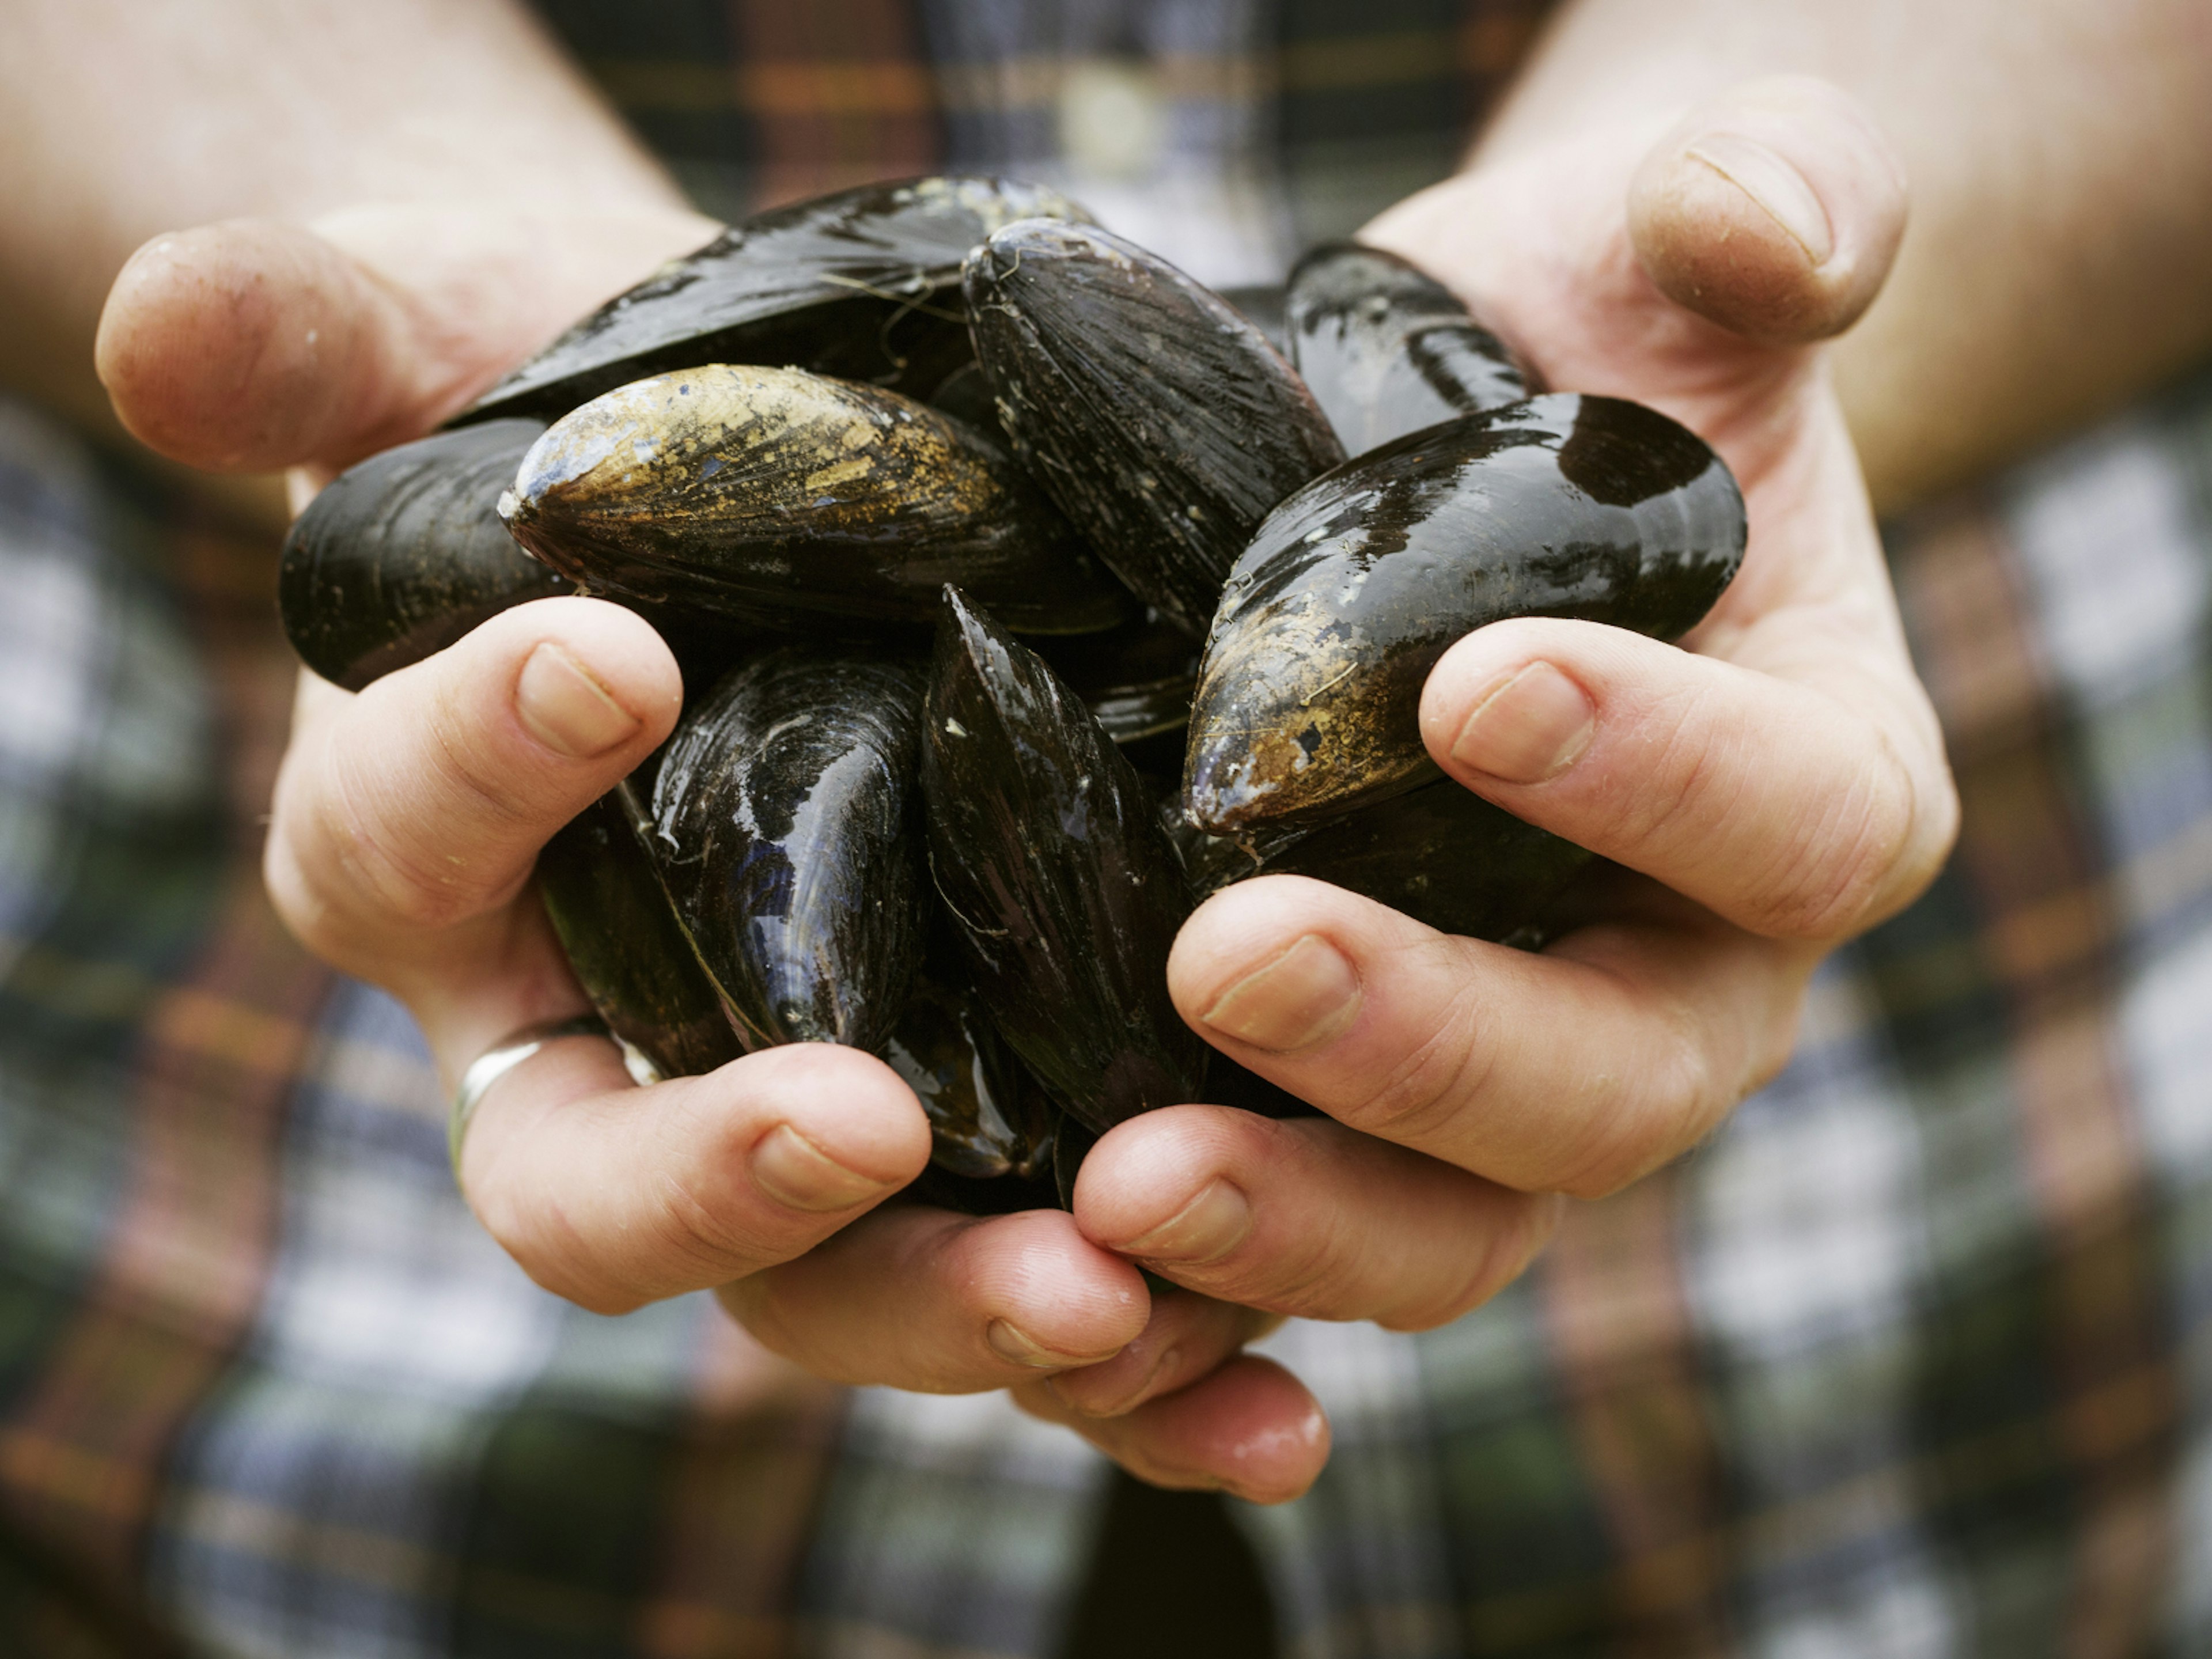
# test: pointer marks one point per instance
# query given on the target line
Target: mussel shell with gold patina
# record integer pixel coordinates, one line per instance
(1309, 696)
(776, 497)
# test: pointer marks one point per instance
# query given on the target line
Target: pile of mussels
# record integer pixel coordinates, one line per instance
(1179, 638)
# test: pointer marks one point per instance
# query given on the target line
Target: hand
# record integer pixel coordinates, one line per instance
(1769, 792)
(408, 818)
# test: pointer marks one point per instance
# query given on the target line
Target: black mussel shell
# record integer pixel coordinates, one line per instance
(863, 284)
(1228, 1084)
(1263, 306)
(1156, 416)
(1066, 892)
(774, 497)
(783, 830)
(622, 938)
(1440, 854)
(965, 395)
(1004, 1195)
(399, 557)
(1135, 679)
(1386, 350)
(1309, 696)
(1069, 1148)
(988, 1118)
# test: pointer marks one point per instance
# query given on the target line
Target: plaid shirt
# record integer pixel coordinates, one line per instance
(1913, 1358)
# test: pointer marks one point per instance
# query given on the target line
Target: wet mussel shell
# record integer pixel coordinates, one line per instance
(1440, 854)
(783, 828)
(1587, 508)
(1161, 420)
(773, 496)
(1066, 891)
(1135, 679)
(863, 284)
(988, 1118)
(401, 555)
(1387, 350)
(628, 952)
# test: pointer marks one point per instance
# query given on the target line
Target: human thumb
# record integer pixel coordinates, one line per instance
(256, 343)
(1774, 209)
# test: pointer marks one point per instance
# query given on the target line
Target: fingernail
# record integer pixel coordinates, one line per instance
(1010, 1342)
(1306, 995)
(796, 1173)
(1531, 727)
(566, 709)
(1205, 1229)
(1771, 182)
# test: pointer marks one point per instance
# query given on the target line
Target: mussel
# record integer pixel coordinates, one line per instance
(1439, 854)
(1386, 350)
(1309, 695)
(988, 1118)
(863, 284)
(783, 828)
(1156, 416)
(1066, 892)
(622, 938)
(402, 555)
(774, 497)
(1136, 679)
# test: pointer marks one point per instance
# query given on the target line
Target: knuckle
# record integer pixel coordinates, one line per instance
(1844, 864)
(1430, 1083)
(1505, 1252)
(1676, 1094)
(413, 854)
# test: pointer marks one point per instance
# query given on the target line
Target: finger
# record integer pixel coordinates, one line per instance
(1774, 209)
(1251, 1428)
(1306, 1218)
(614, 1196)
(925, 1299)
(255, 344)
(1187, 1337)
(1573, 1070)
(1779, 806)
(422, 802)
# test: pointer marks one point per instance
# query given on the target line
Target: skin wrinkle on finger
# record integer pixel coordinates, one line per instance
(906, 1297)
(1582, 1068)
(1345, 1227)
(614, 1199)
(1251, 1428)
(1188, 1337)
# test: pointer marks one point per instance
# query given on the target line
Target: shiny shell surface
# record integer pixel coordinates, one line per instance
(987, 1117)
(402, 555)
(778, 497)
(862, 285)
(1066, 892)
(1439, 854)
(1136, 679)
(1386, 350)
(1309, 695)
(783, 828)
(629, 953)
(1159, 418)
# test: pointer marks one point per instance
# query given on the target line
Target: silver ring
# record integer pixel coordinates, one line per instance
(502, 1057)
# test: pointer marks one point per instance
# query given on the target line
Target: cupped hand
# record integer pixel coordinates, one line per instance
(1768, 791)
(407, 818)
